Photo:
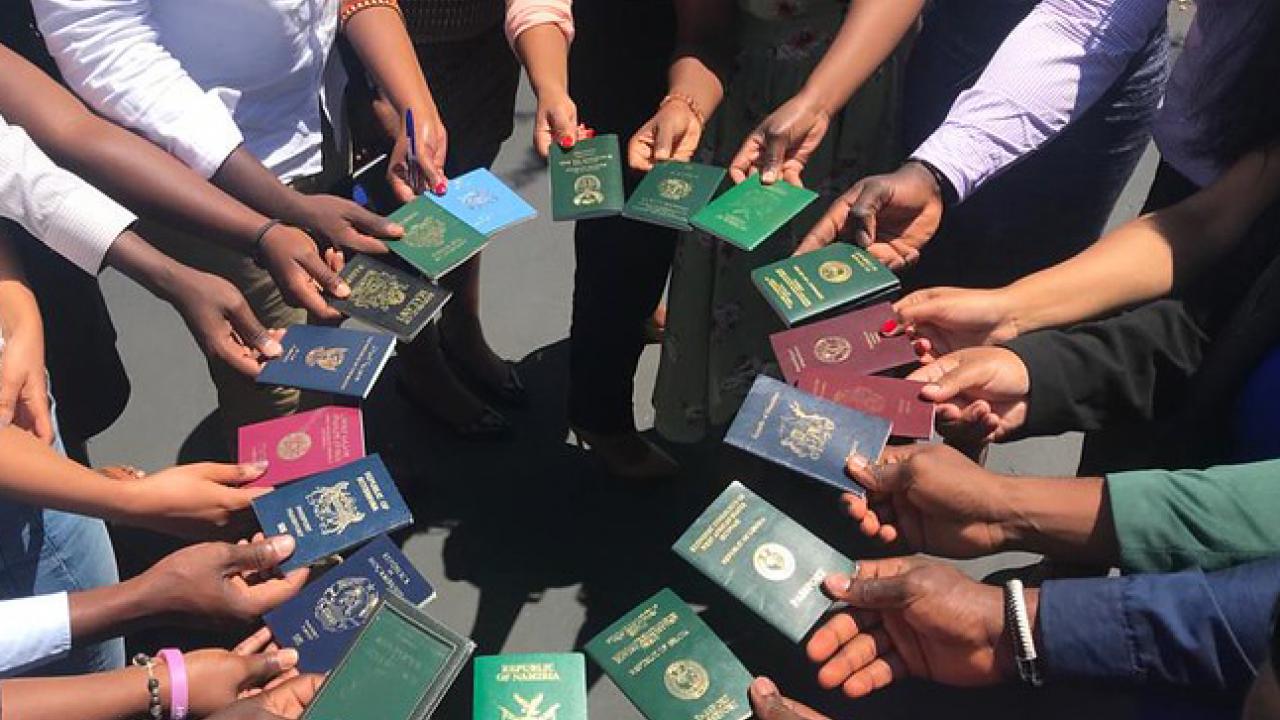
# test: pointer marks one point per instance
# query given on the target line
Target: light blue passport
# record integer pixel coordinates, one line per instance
(484, 202)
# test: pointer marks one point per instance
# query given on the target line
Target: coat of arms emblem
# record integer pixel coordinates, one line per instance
(834, 271)
(326, 358)
(346, 604)
(832, 349)
(806, 434)
(586, 190)
(530, 709)
(686, 680)
(335, 507)
(675, 189)
(477, 199)
(293, 446)
(378, 291)
(426, 234)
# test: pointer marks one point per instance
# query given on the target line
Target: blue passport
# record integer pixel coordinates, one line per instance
(333, 511)
(484, 202)
(327, 359)
(806, 434)
(322, 620)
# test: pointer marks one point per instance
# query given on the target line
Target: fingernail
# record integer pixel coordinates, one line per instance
(440, 188)
(272, 348)
(287, 658)
(395, 229)
(566, 141)
(764, 687)
(342, 290)
(283, 545)
(889, 327)
(768, 176)
(838, 583)
(255, 468)
(930, 389)
(857, 462)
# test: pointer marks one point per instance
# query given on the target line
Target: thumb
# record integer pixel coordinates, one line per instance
(564, 126)
(322, 273)
(9, 387)
(880, 479)
(963, 379)
(864, 210)
(261, 555)
(230, 473)
(775, 151)
(246, 325)
(370, 223)
(264, 667)
(876, 593)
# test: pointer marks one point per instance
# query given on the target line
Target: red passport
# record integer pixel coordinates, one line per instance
(303, 444)
(896, 400)
(850, 342)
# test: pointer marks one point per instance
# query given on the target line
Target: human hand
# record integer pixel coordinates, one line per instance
(673, 133)
(945, 319)
(769, 704)
(194, 501)
(556, 120)
(295, 263)
(782, 143)
(287, 701)
(24, 390)
(981, 393)
(341, 223)
(892, 215)
(408, 180)
(912, 618)
(217, 678)
(221, 321)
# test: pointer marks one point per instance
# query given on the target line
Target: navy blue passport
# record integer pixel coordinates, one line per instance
(322, 620)
(327, 359)
(333, 511)
(805, 433)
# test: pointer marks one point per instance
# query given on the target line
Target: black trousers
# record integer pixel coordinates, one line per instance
(618, 75)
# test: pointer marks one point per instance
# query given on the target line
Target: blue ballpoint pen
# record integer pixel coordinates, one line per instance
(411, 158)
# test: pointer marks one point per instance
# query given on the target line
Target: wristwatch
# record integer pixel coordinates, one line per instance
(1019, 624)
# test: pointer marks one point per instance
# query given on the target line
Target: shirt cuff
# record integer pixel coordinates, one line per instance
(956, 153)
(519, 21)
(42, 631)
(205, 136)
(1083, 629)
(85, 225)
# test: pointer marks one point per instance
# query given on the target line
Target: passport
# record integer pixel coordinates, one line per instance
(435, 241)
(399, 667)
(896, 400)
(806, 434)
(805, 286)
(536, 686)
(390, 298)
(670, 665)
(328, 359)
(333, 511)
(771, 563)
(586, 179)
(484, 202)
(672, 192)
(321, 621)
(851, 342)
(302, 444)
(750, 212)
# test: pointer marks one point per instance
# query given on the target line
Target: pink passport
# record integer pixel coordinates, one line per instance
(303, 444)
(851, 342)
(897, 400)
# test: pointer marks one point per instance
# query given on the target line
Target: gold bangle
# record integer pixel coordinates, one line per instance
(689, 103)
(351, 8)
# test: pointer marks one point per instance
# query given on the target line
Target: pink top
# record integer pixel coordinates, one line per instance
(524, 14)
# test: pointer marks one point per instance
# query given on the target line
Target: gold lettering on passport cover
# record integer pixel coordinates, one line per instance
(293, 446)
(335, 508)
(326, 358)
(530, 709)
(686, 680)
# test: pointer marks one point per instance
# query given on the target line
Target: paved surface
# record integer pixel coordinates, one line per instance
(530, 545)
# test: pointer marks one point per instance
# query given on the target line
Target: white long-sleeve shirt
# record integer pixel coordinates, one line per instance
(33, 631)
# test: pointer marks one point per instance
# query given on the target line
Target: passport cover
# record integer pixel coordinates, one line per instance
(329, 359)
(806, 434)
(322, 620)
(851, 342)
(302, 444)
(530, 686)
(399, 667)
(670, 665)
(765, 559)
(333, 511)
(896, 400)
(434, 240)
(586, 179)
(804, 286)
(390, 298)
(484, 202)
(749, 212)
(672, 192)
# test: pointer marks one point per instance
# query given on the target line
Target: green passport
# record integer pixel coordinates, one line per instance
(398, 668)
(434, 241)
(750, 212)
(670, 665)
(805, 286)
(672, 192)
(771, 563)
(586, 180)
(530, 686)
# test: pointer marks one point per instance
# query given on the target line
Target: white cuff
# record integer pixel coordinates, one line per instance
(84, 226)
(204, 136)
(960, 158)
(37, 630)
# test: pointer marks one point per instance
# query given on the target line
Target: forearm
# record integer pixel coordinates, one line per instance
(380, 40)
(1067, 518)
(160, 274)
(703, 53)
(871, 31)
(111, 611)
(544, 52)
(114, 695)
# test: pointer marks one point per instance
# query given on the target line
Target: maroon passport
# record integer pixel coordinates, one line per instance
(891, 398)
(850, 342)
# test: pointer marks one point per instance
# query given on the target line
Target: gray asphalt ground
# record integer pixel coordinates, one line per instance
(530, 546)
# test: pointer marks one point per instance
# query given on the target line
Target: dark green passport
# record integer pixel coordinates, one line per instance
(398, 668)
(434, 241)
(389, 297)
(530, 686)
(771, 563)
(586, 180)
(750, 212)
(672, 192)
(806, 286)
(670, 665)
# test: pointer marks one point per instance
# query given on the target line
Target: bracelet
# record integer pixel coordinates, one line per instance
(154, 711)
(689, 102)
(1019, 624)
(349, 9)
(259, 237)
(178, 688)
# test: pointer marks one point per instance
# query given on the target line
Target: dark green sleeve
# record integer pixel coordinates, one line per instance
(1211, 519)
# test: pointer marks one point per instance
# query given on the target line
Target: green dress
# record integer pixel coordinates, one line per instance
(718, 326)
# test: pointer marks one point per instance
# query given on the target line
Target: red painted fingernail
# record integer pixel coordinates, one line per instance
(566, 142)
(889, 327)
(440, 188)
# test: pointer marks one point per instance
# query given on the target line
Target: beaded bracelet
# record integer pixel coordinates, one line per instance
(154, 709)
(689, 102)
(349, 9)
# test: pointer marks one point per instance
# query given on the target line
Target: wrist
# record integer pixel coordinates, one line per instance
(930, 176)
(1006, 652)
(815, 100)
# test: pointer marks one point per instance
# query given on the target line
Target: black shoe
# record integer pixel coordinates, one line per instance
(511, 393)
(628, 456)
(488, 425)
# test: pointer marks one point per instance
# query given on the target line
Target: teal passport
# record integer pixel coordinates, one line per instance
(672, 192)
(435, 241)
(750, 212)
(398, 668)
(586, 180)
(770, 562)
(530, 686)
(805, 286)
(670, 665)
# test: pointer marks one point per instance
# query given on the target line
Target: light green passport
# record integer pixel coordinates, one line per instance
(804, 286)
(750, 212)
(672, 192)
(771, 563)
(586, 179)
(434, 241)
(670, 665)
(530, 686)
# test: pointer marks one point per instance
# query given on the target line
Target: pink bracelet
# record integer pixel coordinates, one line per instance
(178, 693)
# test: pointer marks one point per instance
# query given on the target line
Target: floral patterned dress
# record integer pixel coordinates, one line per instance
(718, 325)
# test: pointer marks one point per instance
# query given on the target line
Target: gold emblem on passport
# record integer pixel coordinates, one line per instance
(293, 446)
(675, 189)
(832, 349)
(378, 291)
(686, 680)
(326, 358)
(866, 399)
(834, 271)
(774, 562)
(335, 507)
(427, 234)
(806, 434)
(530, 709)
(586, 190)
(346, 604)
(477, 199)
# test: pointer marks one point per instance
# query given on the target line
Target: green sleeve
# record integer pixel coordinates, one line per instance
(1211, 519)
